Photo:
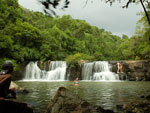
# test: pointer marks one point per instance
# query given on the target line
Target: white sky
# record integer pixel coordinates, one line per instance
(111, 18)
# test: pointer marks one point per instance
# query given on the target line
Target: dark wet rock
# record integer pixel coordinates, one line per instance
(114, 67)
(64, 101)
(11, 106)
(137, 107)
(147, 97)
(142, 96)
(139, 70)
(74, 70)
(119, 107)
(122, 76)
(101, 110)
(136, 70)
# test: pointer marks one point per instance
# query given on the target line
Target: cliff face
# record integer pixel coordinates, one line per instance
(136, 70)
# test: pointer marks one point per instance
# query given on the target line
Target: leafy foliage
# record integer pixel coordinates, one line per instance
(73, 59)
(29, 36)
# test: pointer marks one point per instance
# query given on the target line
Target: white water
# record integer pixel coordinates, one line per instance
(87, 71)
(99, 70)
(57, 71)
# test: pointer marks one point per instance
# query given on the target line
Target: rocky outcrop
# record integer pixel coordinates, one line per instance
(11, 106)
(136, 70)
(65, 101)
(75, 70)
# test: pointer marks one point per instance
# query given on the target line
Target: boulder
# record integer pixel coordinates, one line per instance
(64, 101)
(137, 107)
(17, 89)
(11, 106)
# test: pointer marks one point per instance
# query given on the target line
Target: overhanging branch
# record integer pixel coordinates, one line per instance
(146, 13)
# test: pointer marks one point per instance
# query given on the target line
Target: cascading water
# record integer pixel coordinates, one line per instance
(32, 71)
(87, 71)
(57, 71)
(99, 70)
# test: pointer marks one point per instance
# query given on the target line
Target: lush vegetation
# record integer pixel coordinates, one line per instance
(29, 36)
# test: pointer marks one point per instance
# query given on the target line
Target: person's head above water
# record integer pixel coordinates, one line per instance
(7, 67)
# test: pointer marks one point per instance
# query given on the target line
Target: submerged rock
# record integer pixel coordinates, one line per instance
(11, 106)
(64, 101)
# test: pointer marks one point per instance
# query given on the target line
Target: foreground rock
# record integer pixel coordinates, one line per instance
(65, 101)
(11, 106)
(137, 107)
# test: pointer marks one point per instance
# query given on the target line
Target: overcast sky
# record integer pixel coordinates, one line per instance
(112, 18)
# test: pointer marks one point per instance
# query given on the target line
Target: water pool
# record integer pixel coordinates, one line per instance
(104, 94)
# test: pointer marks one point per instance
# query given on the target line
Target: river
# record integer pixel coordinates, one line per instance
(105, 94)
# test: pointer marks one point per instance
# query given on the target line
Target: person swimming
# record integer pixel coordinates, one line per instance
(76, 82)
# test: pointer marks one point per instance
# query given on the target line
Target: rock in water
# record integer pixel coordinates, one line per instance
(17, 89)
(11, 106)
(64, 101)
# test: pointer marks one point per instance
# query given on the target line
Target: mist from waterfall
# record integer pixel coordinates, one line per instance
(56, 71)
(99, 70)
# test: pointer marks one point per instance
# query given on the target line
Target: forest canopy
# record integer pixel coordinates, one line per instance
(30, 36)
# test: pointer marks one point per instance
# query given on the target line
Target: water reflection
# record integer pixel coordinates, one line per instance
(105, 94)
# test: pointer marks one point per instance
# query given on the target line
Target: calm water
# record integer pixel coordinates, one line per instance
(104, 94)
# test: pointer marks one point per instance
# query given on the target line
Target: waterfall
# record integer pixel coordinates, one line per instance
(99, 70)
(87, 71)
(32, 71)
(57, 71)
